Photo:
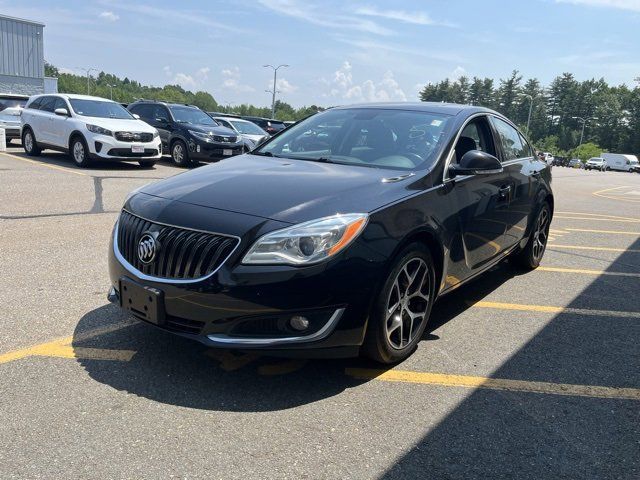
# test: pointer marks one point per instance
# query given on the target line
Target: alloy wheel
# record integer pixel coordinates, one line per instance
(541, 234)
(178, 153)
(28, 142)
(408, 303)
(78, 152)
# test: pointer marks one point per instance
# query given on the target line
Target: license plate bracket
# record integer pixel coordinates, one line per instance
(143, 302)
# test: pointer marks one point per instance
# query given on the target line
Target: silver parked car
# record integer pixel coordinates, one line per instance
(596, 163)
(10, 109)
(247, 130)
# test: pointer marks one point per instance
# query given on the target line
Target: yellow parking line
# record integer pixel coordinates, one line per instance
(47, 165)
(602, 249)
(598, 215)
(612, 232)
(600, 193)
(586, 272)
(61, 347)
(599, 219)
(554, 309)
(468, 381)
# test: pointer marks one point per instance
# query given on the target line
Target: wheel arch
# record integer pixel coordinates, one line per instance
(74, 134)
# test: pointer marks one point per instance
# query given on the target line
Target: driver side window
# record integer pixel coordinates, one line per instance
(476, 135)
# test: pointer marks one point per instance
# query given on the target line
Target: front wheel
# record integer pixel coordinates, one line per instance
(399, 315)
(531, 255)
(180, 154)
(80, 152)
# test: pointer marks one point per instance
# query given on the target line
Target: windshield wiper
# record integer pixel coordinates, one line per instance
(263, 154)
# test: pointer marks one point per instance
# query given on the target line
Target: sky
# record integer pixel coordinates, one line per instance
(338, 52)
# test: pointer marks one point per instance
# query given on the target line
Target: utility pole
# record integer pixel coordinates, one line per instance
(584, 122)
(88, 72)
(273, 92)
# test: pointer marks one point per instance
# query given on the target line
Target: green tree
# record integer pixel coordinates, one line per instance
(587, 150)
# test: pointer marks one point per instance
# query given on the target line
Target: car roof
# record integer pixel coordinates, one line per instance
(235, 119)
(431, 107)
(14, 95)
(74, 96)
(161, 102)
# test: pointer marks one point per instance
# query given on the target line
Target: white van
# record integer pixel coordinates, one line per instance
(621, 162)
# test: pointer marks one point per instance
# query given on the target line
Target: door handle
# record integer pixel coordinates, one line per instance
(504, 192)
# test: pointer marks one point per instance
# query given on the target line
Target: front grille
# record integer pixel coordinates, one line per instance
(182, 254)
(127, 153)
(223, 139)
(183, 325)
(134, 136)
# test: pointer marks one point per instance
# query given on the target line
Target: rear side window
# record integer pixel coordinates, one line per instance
(36, 103)
(510, 140)
(47, 104)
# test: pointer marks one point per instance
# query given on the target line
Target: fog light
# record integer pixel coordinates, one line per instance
(299, 323)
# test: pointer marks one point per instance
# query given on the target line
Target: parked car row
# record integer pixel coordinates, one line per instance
(91, 128)
(604, 163)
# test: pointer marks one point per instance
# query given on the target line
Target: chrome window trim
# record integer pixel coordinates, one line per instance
(143, 276)
(319, 335)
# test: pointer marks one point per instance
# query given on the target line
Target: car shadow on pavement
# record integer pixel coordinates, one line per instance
(179, 371)
(510, 434)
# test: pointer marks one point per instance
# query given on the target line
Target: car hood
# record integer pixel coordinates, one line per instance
(282, 189)
(219, 130)
(118, 124)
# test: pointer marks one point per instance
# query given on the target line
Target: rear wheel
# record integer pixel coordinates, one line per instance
(29, 143)
(180, 154)
(531, 255)
(399, 315)
(79, 151)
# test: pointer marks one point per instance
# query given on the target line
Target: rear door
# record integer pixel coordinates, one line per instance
(523, 168)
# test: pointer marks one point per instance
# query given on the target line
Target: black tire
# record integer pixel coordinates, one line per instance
(180, 154)
(147, 163)
(79, 152)
(29, 143)
(383, 342)
(530, 256)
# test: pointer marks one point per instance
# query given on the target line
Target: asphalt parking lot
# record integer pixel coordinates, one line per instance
(531, 375)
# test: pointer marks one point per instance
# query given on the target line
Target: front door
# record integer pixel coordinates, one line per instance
(481, 202)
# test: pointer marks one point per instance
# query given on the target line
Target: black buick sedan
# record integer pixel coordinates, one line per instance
(337, 236)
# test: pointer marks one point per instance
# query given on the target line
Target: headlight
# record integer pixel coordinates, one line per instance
(99, 130)
(308, 242)
(200, 135)
(156, 134)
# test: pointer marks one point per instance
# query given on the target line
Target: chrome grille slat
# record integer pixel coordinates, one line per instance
(183, 254)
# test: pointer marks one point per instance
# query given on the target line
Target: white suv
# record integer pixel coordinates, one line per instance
(88, 128)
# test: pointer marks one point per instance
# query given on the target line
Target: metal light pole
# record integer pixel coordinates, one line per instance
(111, 90)
(273, 92)
(530, 108)
(88, 71)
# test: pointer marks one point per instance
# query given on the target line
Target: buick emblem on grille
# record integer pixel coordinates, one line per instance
(148, 247)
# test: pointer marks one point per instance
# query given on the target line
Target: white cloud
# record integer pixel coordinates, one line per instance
(283, 86)
(633, 5)
(109, 16)
(185, 80)
(323, 16)
(417, 18)
(341, 85)
(231, 81)
(457, 73)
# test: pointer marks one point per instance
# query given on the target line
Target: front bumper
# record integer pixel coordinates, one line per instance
(250, 307)
(104, 147)
(201, 150)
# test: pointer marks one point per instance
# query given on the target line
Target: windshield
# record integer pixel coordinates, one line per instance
(247, 128)
(397, 139)
(12, 103)
(93, 108)
(192, 115)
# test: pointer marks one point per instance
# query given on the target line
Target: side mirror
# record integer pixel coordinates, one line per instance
(476, 162)
(136, 116)
(63, 112)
